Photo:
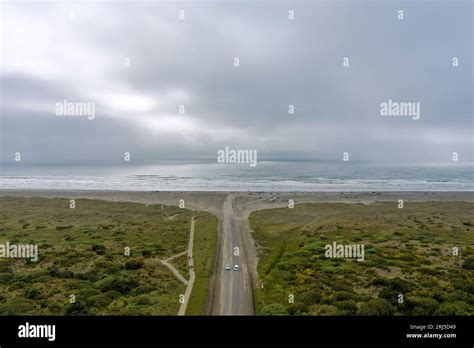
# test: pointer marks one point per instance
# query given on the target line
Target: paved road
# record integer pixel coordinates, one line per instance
(235, 289)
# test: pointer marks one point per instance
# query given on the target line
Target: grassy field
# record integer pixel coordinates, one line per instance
(82, 252)
(205, 238)
(408, 252)
(181, 263)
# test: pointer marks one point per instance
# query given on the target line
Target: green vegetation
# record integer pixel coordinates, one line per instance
(407, 251)
(82, 253)
(205, 238)
(181, 263)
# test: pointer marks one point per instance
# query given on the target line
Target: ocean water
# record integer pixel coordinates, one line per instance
(266, 176)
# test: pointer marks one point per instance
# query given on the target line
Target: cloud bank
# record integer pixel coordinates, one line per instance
(138, 62)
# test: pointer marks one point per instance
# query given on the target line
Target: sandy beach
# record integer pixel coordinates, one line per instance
(245, 202)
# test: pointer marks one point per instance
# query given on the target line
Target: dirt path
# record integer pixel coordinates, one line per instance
(189, 283)
(177, 255)
(175, 272)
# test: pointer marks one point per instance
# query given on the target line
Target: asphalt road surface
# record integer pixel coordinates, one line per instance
(235, 287)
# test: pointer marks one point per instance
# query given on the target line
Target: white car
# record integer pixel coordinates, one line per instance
(236, 267)
(227, 267)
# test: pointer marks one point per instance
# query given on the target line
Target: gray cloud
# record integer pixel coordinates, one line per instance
(56, 51)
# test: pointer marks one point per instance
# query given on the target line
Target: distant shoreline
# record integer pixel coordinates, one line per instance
(212, 201)
(266, 177)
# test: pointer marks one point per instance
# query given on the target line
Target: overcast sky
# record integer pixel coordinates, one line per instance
(57, 51)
